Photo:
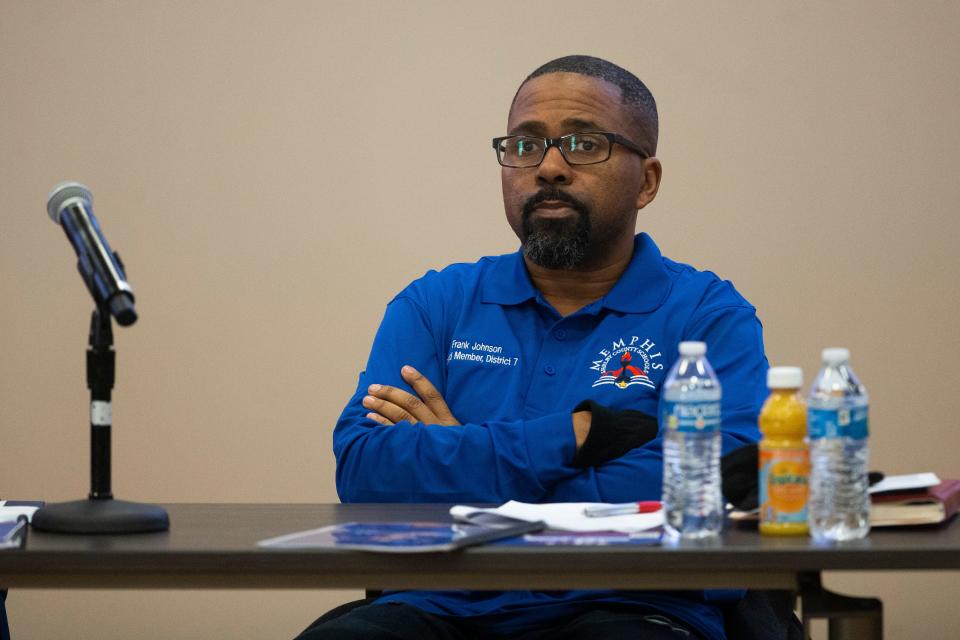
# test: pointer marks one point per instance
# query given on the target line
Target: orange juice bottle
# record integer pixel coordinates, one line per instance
(784, 457)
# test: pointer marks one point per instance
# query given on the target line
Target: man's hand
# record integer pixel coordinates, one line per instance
(581, 426)
(390, 405)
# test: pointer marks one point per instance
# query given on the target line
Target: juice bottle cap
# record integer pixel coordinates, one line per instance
(835, 355)
(785, 377)
(693, 349)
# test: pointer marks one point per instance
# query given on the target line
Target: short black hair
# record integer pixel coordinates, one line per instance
(634, 94)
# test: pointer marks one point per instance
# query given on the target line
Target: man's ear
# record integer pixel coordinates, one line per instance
(652, 174)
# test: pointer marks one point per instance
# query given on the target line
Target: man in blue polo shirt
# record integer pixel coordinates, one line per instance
(534, 376)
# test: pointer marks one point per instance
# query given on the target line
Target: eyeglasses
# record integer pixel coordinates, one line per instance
(588, 147)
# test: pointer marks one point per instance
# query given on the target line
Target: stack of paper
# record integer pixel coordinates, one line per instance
(565, 516)
(13, 510)
(906, 482)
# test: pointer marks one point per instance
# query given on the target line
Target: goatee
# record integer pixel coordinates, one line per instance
(555, 243)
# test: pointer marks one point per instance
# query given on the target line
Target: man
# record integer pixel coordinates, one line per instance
(475, 385)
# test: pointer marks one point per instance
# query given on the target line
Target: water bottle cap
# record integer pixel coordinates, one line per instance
(693, 349)
(835, 355)
(785, 377)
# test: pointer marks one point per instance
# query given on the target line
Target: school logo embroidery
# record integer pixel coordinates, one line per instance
(625, 364)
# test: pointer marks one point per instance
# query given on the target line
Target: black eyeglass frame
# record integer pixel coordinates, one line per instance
(613, 138)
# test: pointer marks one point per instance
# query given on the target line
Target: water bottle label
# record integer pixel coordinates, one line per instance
(784, 485)
(839, 423)
(691, 417)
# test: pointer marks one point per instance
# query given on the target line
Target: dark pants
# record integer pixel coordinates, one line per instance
(397, 621)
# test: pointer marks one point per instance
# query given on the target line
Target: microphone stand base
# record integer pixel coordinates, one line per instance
(100, 516)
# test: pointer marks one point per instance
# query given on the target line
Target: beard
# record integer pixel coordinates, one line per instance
(555, 243)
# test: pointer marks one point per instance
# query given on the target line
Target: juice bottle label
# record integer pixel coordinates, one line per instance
(784, 485)
(839, 423)
(691, 417)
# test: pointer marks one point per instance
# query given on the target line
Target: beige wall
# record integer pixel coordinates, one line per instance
(261, 168)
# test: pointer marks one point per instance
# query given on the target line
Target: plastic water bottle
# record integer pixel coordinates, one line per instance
(839, 507)
(690, 419)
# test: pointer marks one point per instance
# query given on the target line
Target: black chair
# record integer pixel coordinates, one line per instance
(759, 615)
(763, 615)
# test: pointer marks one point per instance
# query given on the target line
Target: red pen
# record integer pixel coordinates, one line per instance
(644, 506)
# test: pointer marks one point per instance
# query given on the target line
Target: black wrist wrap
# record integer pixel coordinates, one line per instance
(612, 433)
(738, 472)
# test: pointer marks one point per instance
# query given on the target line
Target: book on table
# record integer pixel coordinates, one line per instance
(927, 505)
(404, 537)
(899, 501)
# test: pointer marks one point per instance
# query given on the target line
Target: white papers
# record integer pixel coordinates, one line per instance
(904, 482)
(567, 516)
(10, 513)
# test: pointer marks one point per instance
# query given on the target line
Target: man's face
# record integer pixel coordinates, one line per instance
(564, 215)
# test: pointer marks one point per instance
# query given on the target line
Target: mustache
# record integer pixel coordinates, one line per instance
(556, 194)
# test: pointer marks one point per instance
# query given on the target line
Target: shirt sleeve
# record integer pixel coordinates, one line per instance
(481, 462)
(734, 340)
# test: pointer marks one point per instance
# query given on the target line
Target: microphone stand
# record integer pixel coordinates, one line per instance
(100, 513)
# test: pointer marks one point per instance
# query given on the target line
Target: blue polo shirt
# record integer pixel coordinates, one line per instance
(511, 369)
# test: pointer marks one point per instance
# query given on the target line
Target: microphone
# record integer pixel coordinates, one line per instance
(70, 205)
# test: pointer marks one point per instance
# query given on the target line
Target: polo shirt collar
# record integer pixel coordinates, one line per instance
(508, 282)
(643, 286)
(645, 283)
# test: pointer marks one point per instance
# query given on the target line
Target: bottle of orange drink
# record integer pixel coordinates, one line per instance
(784, 456)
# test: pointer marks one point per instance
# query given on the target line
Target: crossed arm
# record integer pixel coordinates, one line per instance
(390, 405)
